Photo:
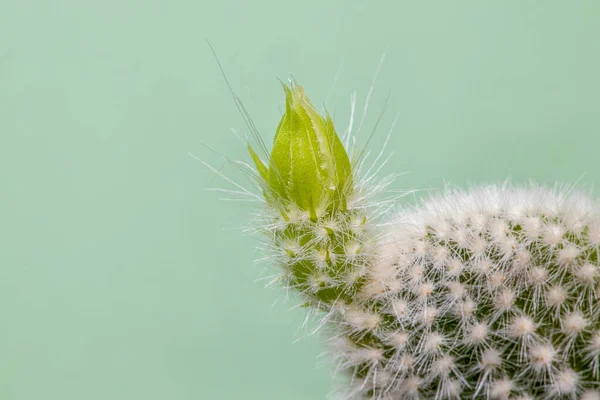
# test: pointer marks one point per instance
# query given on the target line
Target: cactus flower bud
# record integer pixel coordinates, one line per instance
(309, 168)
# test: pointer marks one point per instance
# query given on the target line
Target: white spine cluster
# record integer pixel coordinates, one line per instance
(491, 293)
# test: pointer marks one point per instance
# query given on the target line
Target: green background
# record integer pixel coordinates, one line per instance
(121, 277)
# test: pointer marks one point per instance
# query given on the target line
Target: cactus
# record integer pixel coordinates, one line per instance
(490, 293)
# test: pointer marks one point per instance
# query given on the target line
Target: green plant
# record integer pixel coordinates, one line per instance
(488, 293)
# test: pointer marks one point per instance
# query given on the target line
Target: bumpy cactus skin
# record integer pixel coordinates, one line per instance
(491, 293)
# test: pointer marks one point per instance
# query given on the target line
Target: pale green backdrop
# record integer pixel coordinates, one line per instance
(122, 278)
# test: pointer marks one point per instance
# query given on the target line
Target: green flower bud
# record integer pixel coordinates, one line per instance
(309, 167)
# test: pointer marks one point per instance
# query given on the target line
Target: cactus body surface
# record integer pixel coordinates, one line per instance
(489, 293)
